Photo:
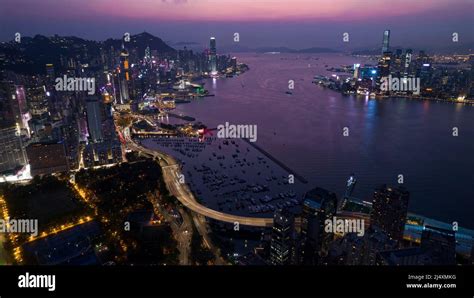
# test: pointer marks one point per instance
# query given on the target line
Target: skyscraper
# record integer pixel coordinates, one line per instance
(124, 77)
(386, 41)
(212, 46)
(38, 100)
(384, 64)
(318, 205)
(94, 120)
(147, 55)
(50, 73)
(407, 62)
(281, 241)
(7, 102)
(356, 71)
(13, 105)
(396, 66)
(213, 55)
(389, 211)
(12, 154)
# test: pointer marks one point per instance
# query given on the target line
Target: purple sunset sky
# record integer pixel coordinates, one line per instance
(291, 23)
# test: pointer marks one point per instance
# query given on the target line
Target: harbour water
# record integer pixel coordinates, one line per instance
(232, 176)
(387, 137)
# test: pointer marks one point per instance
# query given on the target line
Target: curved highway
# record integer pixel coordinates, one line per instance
(171, 172)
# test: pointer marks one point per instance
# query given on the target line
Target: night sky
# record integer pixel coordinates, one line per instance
(291, 23)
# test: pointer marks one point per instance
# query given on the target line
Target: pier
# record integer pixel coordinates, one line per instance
(282, 165)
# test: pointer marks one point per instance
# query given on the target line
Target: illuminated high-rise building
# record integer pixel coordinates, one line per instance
(124, 77)
(50, 73)
(21, 107)
(212, 46)
(213, 55)
(281, 241)
(386, 41)
(356, 71)
(13, 105)
(38, 100)
(12, 154)
(407, 61)
(147, 55)
(396, 66)
(318, 205)
(389, 211)
(8, 111)
(385, 59)
(94, 120)
(384, 64)
(423, 68)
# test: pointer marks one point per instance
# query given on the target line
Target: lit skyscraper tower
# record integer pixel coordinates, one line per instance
(7, 107)
(147, 55)
(94, 120)
(280, 246)
(22, 108)
(13, 106)
(50, 70)
(37, 100)
(397, 62)
(12, 154)
(213, 46)
(124, 78)
(384, 64)
(386, 41)
(389, 211)
(213, 55)
(356, 71)
(407, 61)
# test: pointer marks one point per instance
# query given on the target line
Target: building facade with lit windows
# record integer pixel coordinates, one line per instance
(389, 210)
(12, 154)
(281, 241)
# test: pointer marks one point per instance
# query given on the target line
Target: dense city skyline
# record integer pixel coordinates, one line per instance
(190, 133)
(75, 107)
